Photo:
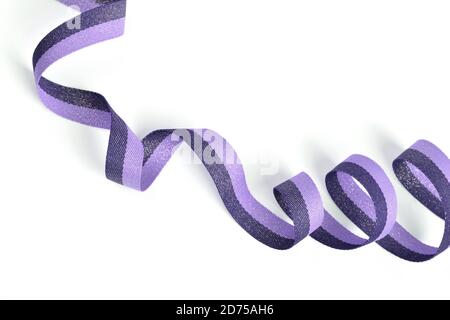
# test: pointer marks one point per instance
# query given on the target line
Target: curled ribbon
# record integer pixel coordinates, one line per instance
(423, 169)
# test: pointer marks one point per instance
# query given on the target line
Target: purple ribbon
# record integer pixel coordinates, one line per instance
(423, 169)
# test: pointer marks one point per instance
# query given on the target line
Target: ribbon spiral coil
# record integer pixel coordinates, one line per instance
(423, 169)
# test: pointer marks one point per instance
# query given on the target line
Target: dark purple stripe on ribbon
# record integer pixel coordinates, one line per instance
(112, 10)
(117, 148)
(77, 97)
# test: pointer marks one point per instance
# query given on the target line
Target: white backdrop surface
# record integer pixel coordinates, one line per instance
(293, 85)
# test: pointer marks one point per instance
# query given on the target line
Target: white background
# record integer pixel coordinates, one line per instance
(298, 84)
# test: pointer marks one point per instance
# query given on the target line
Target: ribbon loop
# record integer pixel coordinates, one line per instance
(424, 170)
(373, 212)
(301, 201)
